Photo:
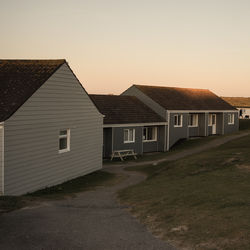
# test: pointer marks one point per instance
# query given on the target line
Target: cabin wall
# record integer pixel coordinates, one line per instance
(1, 159)
(107, 142)
(32, 158)
(177, 133)
(231, 128)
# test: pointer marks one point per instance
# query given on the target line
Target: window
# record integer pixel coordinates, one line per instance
(177, 120)
(64, 140)
(210, 119)
(230, 118)
(150, 134)
(193, 120)
(129, 135)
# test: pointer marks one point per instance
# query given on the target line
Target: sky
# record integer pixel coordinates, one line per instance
(112, 44)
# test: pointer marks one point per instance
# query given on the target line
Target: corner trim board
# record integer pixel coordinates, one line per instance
(2, 127)
(168, 114)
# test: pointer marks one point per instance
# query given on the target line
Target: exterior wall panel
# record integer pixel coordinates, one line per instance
(219, 123)
(118, 139)
(107, 142)
(177, 133)
(202, 124)
(32, 158)
(158, 145)
(1, 159)
(193, 131)
(231, 128)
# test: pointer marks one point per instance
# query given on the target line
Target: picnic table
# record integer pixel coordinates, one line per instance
(123, 153)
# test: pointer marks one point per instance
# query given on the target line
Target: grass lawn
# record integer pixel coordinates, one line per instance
(69, 188)
(199, 202)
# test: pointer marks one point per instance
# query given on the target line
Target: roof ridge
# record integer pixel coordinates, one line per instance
(5, 59)
(170, 87)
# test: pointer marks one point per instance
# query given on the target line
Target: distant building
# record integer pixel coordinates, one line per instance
(242, 104)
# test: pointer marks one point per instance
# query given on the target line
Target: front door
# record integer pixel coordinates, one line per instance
(213, 124)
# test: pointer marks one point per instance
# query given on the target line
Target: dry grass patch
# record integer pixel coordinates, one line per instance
(199, 202)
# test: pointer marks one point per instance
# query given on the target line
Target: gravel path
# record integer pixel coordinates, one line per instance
(93, 220)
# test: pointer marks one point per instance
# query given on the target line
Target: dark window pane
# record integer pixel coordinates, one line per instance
(62, 143)
(144, 133)
(150, 133)
(63, 132)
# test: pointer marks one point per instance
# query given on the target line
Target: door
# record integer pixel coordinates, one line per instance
(213, 124)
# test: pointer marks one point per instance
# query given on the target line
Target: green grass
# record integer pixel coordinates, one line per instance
(199, 202)
(69, 188)
(244, 124)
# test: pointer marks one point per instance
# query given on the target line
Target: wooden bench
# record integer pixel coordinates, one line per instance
(123, 153)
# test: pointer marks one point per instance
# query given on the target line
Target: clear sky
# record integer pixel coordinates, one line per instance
(111, 44)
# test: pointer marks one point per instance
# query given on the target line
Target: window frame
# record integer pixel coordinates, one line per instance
(210, 119)
(181, 121)
(67, 136)
(231, 119)
(196, 120)
(154, 133)
(133, 135)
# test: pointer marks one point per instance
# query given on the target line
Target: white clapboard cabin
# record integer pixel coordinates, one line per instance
(50, 130)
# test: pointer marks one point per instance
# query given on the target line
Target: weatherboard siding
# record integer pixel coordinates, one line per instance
(118, 140)
(133, 91)
(177, 133)
(32, 158)
(1, 159)
(158, 145)
(193, 131)
(107, 142)
(231, 128)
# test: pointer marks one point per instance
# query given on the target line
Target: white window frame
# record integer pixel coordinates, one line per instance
(210, 118)
(129, 130)
(154, 134)
(180, 119)
(230, 119)
(67, 136)
(196, 118)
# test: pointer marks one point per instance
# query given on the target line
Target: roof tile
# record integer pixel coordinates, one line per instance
(172, 98)
(124, 110)
(19, 79)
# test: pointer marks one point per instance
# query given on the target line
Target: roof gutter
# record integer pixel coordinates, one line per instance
(134, 124)
(201, 111)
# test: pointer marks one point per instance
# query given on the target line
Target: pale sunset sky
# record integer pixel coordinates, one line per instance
(111, 44)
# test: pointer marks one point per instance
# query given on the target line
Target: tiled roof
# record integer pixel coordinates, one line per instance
(19, 79)
(172, 98)
(124, 110)
(238, 101)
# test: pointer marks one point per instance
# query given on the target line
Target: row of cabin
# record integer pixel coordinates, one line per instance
(51, 130)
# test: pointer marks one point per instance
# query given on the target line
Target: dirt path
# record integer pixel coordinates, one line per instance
(94, 220)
